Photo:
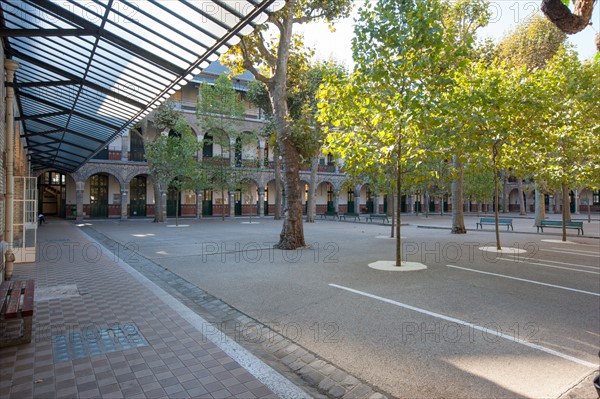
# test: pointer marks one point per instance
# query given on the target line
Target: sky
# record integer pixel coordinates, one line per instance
(506, 14)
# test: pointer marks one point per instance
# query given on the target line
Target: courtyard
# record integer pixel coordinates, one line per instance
(472, 324)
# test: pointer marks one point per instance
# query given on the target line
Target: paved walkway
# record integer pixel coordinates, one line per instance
(101, 329)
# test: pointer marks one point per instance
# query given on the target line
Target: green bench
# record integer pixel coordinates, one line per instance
(384, 218)
(558, 224)
(350, 215)
(492, 221)
(332, 214)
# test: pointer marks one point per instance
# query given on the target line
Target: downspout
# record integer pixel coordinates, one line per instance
(10, 66)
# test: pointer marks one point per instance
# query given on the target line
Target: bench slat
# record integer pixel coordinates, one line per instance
(28, 302)
(13, 302)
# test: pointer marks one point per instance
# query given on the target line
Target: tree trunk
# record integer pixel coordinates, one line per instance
(223, 205)
(522, 210)
(157, 202)
(292, 232)
(565, 20)
(590, 208)
(312, 189)
(496, 192)
(278, 184)
(505, 204)
(565, 204)
(540, 207)
(458, 216)
(398, 213)
(392, 201)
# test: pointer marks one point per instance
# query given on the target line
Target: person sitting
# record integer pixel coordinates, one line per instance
(41, 218)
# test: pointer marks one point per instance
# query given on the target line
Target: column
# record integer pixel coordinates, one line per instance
(198, 204)
(10, 66)
(261, 201)
(356, 200)
(336, 201)
(79, 186)
(163, 203)
(375, 203)
(576, 199)
(261, 152)
(231, 204)
(124, 202)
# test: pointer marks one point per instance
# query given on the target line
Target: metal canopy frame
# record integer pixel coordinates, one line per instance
(91, 69)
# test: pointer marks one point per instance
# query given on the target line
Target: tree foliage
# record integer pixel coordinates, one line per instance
(382, 114)
(532, 44)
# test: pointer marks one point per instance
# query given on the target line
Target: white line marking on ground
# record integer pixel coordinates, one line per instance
(562, 267)
(571, 253)
(579, 250)
(470, 325)
(552, 266)
(525, 280)
(566, 263)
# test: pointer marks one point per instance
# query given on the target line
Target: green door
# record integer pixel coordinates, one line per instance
(171, 201)
(238, 203)
(207, 200)
(137, 196)
(99, 196)
(330, 207)
(350, 205)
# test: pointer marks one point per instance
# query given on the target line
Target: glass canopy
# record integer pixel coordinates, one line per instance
(91, 69)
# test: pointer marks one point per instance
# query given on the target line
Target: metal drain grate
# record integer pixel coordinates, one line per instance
(96, 341)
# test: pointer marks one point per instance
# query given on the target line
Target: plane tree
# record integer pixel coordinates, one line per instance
(266, 54)
(171, 157)
(566, 150)
(381, 114)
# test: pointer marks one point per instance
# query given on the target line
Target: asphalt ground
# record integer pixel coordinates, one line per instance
(472, 325)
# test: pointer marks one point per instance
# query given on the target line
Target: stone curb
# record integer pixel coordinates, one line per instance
(310, 372)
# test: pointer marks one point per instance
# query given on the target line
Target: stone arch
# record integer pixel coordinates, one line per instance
(117, 171)
(513, 200)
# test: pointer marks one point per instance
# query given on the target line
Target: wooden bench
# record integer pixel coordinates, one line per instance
(16, 302)
(384, 218)
(558, 224)
(332, 214)
(492, 221)
(350, 215)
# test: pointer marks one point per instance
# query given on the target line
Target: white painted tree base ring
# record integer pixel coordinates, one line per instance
(181, 225)
(390, 238)
(390, 266)
(250, 222)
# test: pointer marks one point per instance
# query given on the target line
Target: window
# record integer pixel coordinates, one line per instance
(596, 197)
(136, 147)
(207, 148)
